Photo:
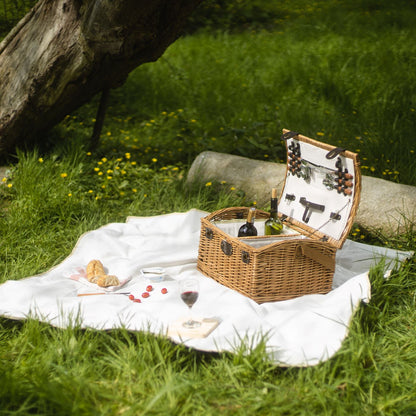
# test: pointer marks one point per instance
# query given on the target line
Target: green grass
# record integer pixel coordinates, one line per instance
(341, 74)
(339, 71)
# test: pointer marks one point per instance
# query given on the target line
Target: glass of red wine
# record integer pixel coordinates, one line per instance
(189, 289)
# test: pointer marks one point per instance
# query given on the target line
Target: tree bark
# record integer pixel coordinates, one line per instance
(63, 52)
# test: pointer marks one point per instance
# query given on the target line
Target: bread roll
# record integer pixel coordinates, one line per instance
(94, 268)
(105, 281)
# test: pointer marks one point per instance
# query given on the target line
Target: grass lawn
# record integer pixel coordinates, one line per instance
(339, 71)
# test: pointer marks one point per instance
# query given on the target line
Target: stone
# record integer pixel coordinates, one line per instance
(385, 206)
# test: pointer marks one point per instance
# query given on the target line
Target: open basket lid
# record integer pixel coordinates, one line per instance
(322, 189)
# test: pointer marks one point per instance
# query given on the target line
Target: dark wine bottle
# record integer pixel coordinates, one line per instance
(273, 225)
(248, 229)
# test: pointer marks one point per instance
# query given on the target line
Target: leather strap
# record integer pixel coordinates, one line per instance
(316, 255)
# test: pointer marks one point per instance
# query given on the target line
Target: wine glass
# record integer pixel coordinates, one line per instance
(189, 289)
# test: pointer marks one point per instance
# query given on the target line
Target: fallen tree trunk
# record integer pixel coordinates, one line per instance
(63, 52)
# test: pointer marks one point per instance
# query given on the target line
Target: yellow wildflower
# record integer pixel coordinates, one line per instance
(154, 160)
(40, 160)
(64, 175)
(9, 185)
(128, 155)
(208, 184)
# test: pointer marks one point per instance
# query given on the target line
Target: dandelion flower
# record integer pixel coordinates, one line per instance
(97, 169)
(4, 179)
(320, 133)
(88, 153)
(40, 160)
(69, 195)
(100, 173)
(104, 159)
(154, 160)
(134, 190)
(128, 155)
(64, 175)
(9, 185)
(232, 188)
(208, 184)
(90, 191)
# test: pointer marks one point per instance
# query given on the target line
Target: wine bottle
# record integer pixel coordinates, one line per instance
(248, 229)
(273, 225)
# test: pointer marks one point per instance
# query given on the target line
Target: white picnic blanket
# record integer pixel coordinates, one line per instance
(298, 332)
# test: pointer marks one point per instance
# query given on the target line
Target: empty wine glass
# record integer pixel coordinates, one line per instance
(189, 289)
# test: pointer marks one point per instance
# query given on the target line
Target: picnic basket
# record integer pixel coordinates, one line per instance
(317, 205)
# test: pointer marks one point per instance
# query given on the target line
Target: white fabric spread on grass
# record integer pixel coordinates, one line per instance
(299, 332)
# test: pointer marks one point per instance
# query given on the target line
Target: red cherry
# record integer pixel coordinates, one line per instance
(145, 295)
(137, 300)
(131, 297)
(149, 288)
(164, 291)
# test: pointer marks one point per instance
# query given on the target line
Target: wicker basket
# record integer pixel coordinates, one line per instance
(273, 268)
